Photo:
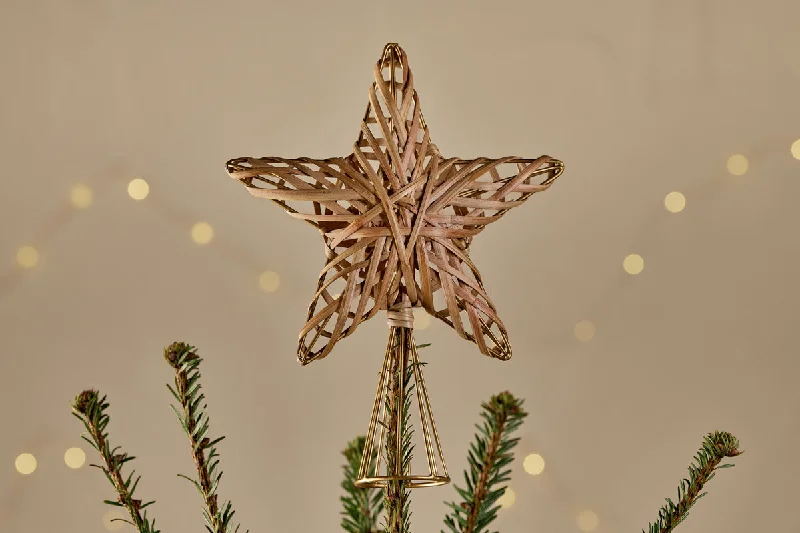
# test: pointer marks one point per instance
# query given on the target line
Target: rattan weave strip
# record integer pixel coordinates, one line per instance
(397, 218)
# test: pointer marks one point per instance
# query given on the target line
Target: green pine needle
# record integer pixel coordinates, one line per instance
(361, 506)
(716, 446)
(90, 409)
(488, 457)
(195, 423)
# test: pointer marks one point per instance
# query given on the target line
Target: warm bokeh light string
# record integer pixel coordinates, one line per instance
(75, 458)
(202, 233)
(83, 195)
(28, 254)
(534, 465)
(736, 167)
(674, 202)
(26, 463)
(11, 501)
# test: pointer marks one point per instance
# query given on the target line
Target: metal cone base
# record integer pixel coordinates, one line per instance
(384, 442)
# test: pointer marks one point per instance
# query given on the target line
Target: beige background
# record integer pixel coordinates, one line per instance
(639, 98)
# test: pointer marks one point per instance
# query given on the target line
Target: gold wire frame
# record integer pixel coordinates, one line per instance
(400, 353)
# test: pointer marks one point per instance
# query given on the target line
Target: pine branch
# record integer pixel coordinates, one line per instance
(90, 409)
(716, 446)
(195, 422)
(362, 507)
(397, 500)
(488, 456)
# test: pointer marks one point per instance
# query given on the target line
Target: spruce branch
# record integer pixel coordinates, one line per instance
(195, 422)
(489, 454)
(90, 409)
(716, 446)
(361, 506)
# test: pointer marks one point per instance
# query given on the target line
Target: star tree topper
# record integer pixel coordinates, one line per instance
(397, 218)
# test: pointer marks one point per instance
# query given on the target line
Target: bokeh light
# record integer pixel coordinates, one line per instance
(138, 189)
(202, 233)
(25, 463)
(675, 202)
(507, 499)
(796, 149)
(269, 281)
(588, 521)
(27, 256)
(738, 164)
(74, 458)
(81, 196)
(533, 464)
(633, 264)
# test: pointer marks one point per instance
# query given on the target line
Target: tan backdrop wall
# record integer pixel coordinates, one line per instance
(639, 98)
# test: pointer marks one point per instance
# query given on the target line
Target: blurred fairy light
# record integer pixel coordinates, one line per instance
(269, 281)
(81, 196)
(421, 318)
(533, 464)
(508, 498)
(202, 233)
(138, 189)
(675, 202)
(74, 458)
(25, 463)
(633, 264)
(588, 521)
(27, 256)
(796, 149)
(584, 331)
(738, 164)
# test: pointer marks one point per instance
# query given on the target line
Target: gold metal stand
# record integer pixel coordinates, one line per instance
(401, 354)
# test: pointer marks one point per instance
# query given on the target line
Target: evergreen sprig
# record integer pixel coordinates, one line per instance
(361, 506)
(90, 409)
(488, 458)
(489, 455)
(195, 422)
(716, 446)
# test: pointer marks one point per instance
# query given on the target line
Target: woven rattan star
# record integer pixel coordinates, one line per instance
(397, 218)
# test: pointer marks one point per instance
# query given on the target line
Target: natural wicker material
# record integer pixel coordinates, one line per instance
(397, 218)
